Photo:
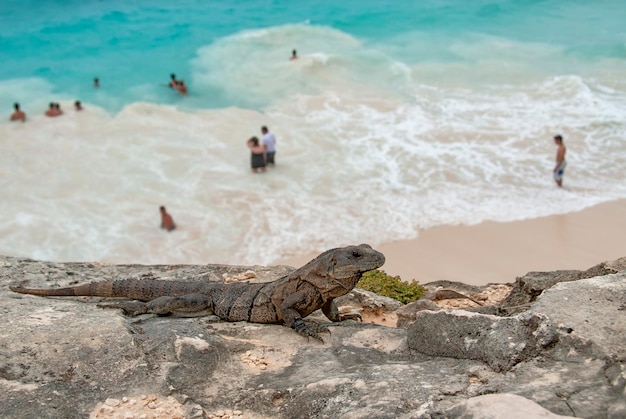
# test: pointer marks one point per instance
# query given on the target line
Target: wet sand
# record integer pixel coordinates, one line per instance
(493, 252)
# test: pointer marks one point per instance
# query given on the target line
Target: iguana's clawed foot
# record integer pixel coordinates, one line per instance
(130, 308)
(309, 329)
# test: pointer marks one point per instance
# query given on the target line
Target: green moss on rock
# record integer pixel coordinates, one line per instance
(379, 282)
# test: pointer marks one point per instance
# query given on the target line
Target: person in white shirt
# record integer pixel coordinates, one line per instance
(269, 141)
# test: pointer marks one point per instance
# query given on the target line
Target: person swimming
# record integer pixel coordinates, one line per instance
(54, 109)
(18, 114)
(167, 222)
(181, 87)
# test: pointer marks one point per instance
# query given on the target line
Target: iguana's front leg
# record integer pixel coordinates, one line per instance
(301, 302)
(186, 305)
(330, 310)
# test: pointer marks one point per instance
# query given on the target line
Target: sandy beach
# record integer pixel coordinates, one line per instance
(493, 252)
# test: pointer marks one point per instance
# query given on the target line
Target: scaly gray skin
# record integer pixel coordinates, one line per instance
(284, 301)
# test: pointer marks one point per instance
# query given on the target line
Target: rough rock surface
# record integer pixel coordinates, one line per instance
(408, 313)
(528, 287)
(569, 346)
(500, 342)
(64, 357)
(495, 406)
(373, 308)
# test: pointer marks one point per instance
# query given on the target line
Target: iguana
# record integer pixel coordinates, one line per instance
(284, 301)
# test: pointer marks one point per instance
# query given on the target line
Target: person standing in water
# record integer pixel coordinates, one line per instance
(269, 141)
(257, 155)
(54, 109)
(560, 160)
(294, 55)
(167, 222)
(18, 114)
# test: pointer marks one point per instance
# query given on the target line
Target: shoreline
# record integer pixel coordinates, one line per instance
(495, 252)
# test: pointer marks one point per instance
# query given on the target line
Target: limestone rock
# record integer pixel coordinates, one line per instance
(496, 406)
(368, 301)
(64, 357)
(528, 287)
(408, 313)
(500, 342)
(593, 309)
(573, 324)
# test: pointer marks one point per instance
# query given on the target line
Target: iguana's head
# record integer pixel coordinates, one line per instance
(346, 264)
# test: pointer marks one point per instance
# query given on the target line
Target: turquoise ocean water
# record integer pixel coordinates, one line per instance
(398, 116)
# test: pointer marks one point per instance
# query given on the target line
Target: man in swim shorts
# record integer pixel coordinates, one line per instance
(560, 160)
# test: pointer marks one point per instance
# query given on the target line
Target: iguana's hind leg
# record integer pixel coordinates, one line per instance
(130, 308)
(187, 305)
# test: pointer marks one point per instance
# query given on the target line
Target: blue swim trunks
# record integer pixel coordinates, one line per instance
(558, 173)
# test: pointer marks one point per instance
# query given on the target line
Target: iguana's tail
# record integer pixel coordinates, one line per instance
(137, 289)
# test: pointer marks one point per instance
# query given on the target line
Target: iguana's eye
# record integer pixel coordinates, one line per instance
(356, 254)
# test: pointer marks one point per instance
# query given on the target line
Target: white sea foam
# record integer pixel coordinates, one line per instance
(351, 168)
(372, 147)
